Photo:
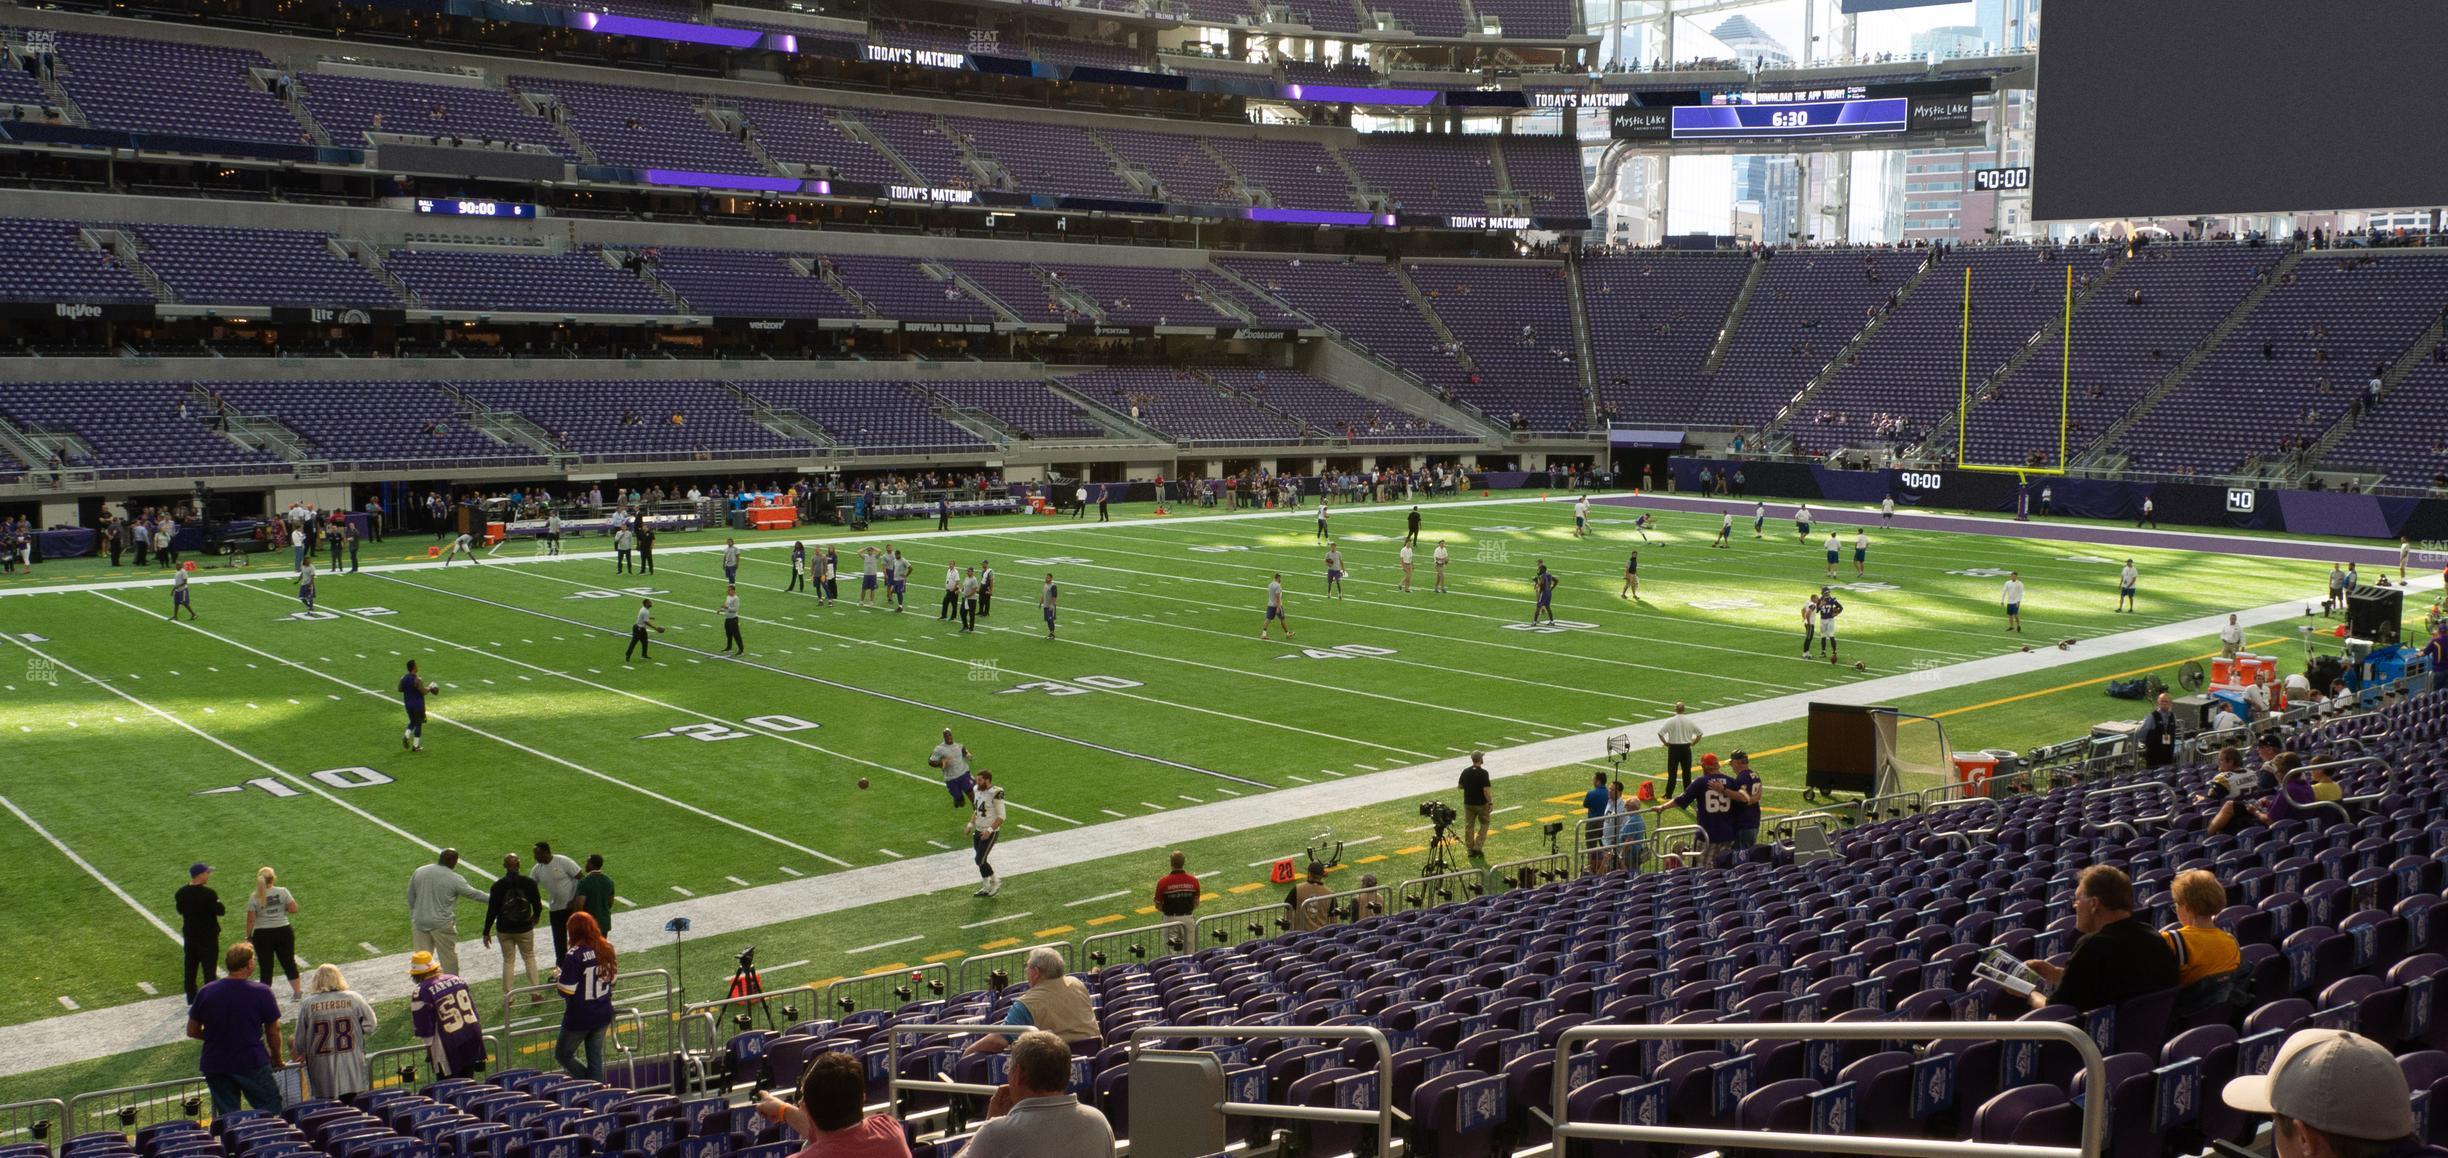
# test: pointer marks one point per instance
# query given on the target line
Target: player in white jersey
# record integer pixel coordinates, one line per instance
(1405, 556)
(1275, 607)
(463, 545)
(730, 618)
(1334, 570)
(552, 533)
(730, 560)
(178, 595)
(1321, 518)
(1887, 509)
(985, 824)
(2012, 597)
(306, 585)
(2126, 580)
(952, 591)
(1861, 552)
(1802, 523)
(1440, 558)
(1725, 530)
(1832, 549)
(868, 559)
(1581, 518)
(1759, 521)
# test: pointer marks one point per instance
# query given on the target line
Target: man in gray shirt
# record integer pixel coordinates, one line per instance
(1037, 1117)
(558, 877)
(433, 908)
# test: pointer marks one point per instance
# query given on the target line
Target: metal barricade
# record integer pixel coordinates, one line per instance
(1441, 889)
(1138, 946)
(127, 1109)
(703, 1035)
(1531, 872)
(977, 972)
(1240, 925)
(43, 1122)
(889, 989)
(1382, 1117)
(2094, 1110)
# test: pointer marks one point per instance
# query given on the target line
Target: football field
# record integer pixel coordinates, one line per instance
(264, 734)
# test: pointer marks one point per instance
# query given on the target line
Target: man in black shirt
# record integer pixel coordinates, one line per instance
(1477, 803)
(2118, 958)
(1412, 536)
(2159, 734)
(199, 910)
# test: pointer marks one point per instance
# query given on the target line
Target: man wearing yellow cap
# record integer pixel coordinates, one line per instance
(443, 1014)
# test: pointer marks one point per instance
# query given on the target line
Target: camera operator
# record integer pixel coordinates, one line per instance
(1478, 804)
(1310, 910)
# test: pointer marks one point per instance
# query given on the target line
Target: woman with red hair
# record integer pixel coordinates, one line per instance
(585, 982)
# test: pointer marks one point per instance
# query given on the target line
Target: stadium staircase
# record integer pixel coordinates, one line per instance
(365, 254)
(782, 420)
(1367, 373)
(1584, 363)
(2397, 372)
(1068, 296)
(548, 107)
(507, 427)
(734, 124)
(987, 171)
(1137, 177)
(1733, 318)
(264, 79)
(1774, 430)
(1941, 438)
(645, 274)
(2103, 453)
(943, 272)
(257, 432)
(57, 92)
(1221, 303)
(1115, 422)
(832, 277)
(128, 250)
(1257, 194)
(970, 418)
(1505, 199)
(1428, 315)
(23, 446)
(857, 130)
(1308, 428)
(1368, 198)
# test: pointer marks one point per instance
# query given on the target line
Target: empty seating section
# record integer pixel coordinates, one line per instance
(746, 283)
(1296, 174)
(1652, 319)
(2406, 435)
(1264, 309)
(1140, 295)
(1044, 158)
(1332, 410)
(133, 427)
(258, 267)
(1545, 172)
(1220, 11)
(638, 420)
(1807, 305)
(43, 261)
(1019, 287)
(798, 133)
(1183, 406)
(373, 422)
(897, 288)
(645, 128)
(18, 88)
(932, 37)
(1489, 307)
(2343, 317)
(1425, 17)
(1323, 15)
(348, 107)
(1427, 174)
(1909, 367)
(1361, 301)
(2121, 350)
(875, 416)
(1024, 405)
(1183, 171)
(919, 140)
(1092, 53)
(1524, 18)
(159, 86)
(578, 282)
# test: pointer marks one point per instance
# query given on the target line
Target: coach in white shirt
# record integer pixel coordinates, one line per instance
(1679, 734)
(2231, 637)
(2012, 597)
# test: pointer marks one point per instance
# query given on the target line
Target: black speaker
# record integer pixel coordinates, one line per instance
(2323, 671)
(2375, 613)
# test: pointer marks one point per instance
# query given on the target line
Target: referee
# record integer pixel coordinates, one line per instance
(1679, 734)
(985, 824)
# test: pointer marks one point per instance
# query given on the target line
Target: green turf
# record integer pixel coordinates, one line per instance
(534, 664)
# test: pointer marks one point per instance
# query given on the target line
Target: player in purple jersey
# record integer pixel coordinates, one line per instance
(585, 982)
(1713, 793)
(412, 689)
(442, 1013)
(1545, 584)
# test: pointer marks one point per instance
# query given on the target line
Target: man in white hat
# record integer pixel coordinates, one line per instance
(2333, 1094)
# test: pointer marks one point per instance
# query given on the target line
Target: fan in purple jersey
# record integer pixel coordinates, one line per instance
(443, 1015)
(585, 982)
(1713, 792)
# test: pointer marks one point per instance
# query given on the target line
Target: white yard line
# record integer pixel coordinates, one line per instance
(90, 870)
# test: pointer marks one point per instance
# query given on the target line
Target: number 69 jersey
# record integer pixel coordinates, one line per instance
(443, 1012)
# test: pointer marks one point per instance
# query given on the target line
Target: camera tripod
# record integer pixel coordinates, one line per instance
(746, 983)
(1439, 860)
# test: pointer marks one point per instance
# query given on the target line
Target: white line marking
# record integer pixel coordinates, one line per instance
(735, 880)
(1506, 809)
(1094, 899)
(626, 901)
(1152, 804)
(996, 920)
(892, 854)
(792, 871)
(368, 946)
(937, 843)
(1111, 812)
(682, 891)
(68, 1001)
(885, 944)
(1298, 779)
(1191, 799)
(147, 986)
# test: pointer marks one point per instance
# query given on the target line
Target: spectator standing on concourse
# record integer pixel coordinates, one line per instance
(238, 1020)
(2118, 957)
(434, 892)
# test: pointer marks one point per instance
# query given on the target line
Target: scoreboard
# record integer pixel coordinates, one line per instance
(1794, 119)
(1884, 110)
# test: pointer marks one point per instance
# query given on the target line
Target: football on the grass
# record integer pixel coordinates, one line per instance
(862, 782)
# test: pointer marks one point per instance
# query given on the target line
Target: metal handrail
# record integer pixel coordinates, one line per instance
(1274, 918)
(1471, 882)
(1019, 955)
(1382, 1117)
(2095, 1070)
(48, 1128)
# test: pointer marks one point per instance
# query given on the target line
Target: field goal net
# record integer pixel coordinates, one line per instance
(1914, 755)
